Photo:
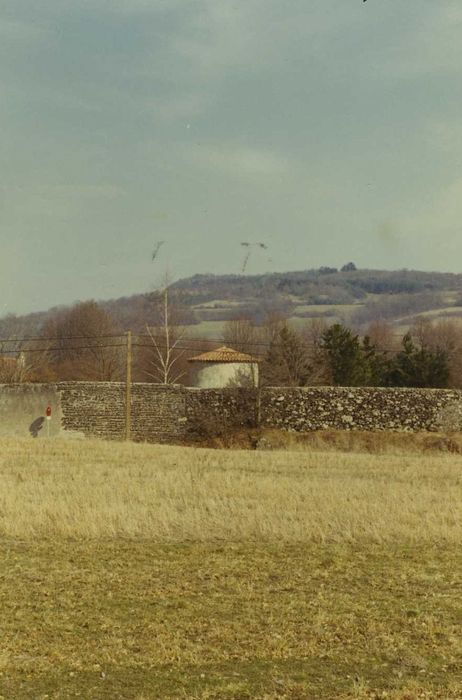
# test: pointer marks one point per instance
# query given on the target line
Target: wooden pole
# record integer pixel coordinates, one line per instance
(128, 389)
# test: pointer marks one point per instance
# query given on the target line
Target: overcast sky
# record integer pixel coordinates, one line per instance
(331, 130)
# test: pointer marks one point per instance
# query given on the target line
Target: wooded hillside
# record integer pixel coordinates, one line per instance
(358, 296)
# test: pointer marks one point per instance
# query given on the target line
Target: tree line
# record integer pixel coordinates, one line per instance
(86, 343)
(428, 355)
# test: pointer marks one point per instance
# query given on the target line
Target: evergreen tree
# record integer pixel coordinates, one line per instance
(375, 364)
(344, 355)
(419, 367)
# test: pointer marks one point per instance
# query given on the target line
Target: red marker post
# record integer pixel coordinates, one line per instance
(48, 417)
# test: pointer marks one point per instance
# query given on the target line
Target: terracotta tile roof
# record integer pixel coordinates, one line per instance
(8, 361)
(223, 354)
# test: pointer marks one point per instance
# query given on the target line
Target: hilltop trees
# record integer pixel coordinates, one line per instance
(349, 267)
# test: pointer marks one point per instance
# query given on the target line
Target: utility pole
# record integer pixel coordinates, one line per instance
(128, 388)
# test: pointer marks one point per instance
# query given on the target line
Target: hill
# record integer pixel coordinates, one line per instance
(349, 295)
(360, 295)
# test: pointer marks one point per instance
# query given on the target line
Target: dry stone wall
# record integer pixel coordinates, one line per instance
(321, 408)
(361, 408)
(98, 409)
(93, 409)
(171, 414)
(216, 411)
(158, 413)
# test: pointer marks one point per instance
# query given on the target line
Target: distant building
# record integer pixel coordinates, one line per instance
(11, 369)
(223, 367)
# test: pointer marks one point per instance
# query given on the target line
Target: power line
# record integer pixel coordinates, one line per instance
(186, 344)
(62, 349)
(178, 348)
(42, 338)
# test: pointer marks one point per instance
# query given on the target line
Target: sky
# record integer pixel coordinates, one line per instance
(330, 130)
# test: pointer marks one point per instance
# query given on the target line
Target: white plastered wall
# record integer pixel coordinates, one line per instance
(216, 375)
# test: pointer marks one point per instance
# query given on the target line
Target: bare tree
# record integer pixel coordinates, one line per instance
(423, 331)
(83, 344)
(163, 362)
(10, 370)
(21, 359)
(286, 362)
(312, 336)
(241, 334)
(444, 334)
(273, 323)
(381, 336)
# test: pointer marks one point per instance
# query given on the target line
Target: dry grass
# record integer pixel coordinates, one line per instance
(370, 442)
(131, 620)
(136, 572)
(173, 494)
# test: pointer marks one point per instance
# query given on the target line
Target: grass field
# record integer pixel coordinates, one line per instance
(136, 572)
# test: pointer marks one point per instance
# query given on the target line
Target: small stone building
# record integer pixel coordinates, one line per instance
(223, 367)
(12, 369)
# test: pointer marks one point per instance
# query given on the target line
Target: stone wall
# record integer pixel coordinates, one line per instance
(215, 411)
(97, 409)
(93, 408)
(361, 408)
(158, 413)
(169, 414)
(321, 408)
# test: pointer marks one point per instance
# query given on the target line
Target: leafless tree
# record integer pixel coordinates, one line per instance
(163, 362)
(82, 344)
(381, 336)
(11, 370)
(287, 362)
(443, 334)
(273, 323)
(241, 334)
(22, 359)
(312, 336)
